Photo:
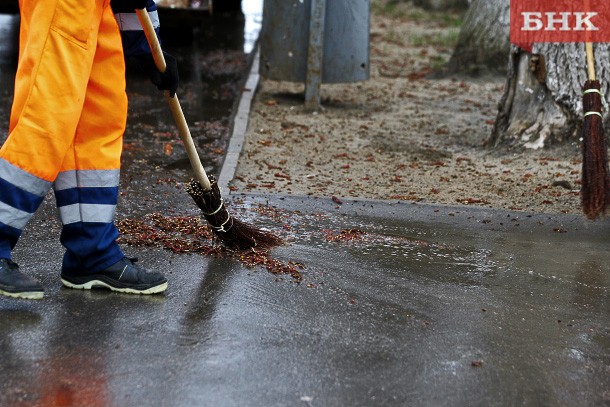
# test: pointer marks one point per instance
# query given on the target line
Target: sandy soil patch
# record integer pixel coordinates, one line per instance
(400, 135)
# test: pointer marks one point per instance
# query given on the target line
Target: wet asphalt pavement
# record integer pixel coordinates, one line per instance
(399, 303)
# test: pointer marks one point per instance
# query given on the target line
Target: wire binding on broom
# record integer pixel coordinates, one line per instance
(220, 228)
(222, 202)
(603, 99)
(238, 235)
(595, 113)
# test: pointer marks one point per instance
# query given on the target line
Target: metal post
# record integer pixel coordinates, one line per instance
(315, 54)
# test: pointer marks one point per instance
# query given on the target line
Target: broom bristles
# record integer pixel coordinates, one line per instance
(234, 233)
(595, 188)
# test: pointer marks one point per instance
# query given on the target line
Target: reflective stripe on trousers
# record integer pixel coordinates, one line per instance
(66, 127)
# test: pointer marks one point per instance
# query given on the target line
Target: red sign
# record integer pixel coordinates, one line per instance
(559, 21)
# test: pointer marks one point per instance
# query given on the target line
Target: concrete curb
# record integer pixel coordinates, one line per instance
(240, 127)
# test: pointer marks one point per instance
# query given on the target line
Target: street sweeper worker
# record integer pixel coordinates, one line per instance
(66, 130)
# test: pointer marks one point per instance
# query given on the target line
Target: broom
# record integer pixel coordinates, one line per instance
(204, 188)
(595, 188)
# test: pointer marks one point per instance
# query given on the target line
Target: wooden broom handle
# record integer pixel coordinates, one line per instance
(589, 48)
(174, 104)
(590, 60)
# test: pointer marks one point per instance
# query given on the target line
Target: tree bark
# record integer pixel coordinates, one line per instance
(484, 44)
(542, 100)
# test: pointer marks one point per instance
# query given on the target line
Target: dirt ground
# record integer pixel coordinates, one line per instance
(401, 135)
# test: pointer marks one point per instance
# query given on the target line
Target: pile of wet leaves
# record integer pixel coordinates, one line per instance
(186, 234)
(191, 234)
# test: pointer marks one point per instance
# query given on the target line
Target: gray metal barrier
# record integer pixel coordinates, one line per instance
(315, 41)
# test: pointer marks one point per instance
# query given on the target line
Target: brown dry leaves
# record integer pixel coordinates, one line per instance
(189, 234)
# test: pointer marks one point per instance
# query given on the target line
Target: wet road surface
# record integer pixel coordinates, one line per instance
(426, 306)
(399, 303)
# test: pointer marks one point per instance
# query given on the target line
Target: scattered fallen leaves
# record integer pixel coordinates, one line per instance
(289, 126)
(337, 200)
(562, 184)
(405, 197)
(262, 258)
(471, 201)
(421, 74)
(345, 235)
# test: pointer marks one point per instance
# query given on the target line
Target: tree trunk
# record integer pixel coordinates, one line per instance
(542, 100)
(440, 5)
(484, 44)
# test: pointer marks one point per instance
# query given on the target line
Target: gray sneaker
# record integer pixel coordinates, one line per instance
(14, 283)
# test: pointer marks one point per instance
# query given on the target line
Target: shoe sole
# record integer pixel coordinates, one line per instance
(26, 295)
(100, 284)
